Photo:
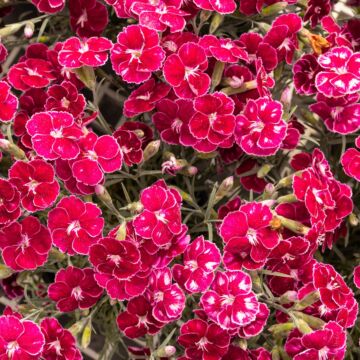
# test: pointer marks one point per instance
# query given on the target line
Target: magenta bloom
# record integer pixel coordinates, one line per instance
(341, 75)
(230, 302)
(137, 54)
(8, 103)
(35, 180)
(25, 245)
(161, 14)
(185, 71)
(137, 320)
(316, 10)
(49, 6)
(9, 202)
(203, 340)
(260, 129)
(220, 6)
(20, 339)
(200, 259)
(54, 135)
(256, 326)
(99, 155)
(145, 97)
(305, 71)
(350, 161)
(118, 268)
(75, 225)
(224, 50)
(172, 121)
(167, 299)
(357, 276)
(76, 53)
(88, 17)
(74, 288)
(60, 344)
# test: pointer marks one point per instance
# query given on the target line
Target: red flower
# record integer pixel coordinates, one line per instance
(160, 219)
(357, 276)
(220, 6)
(248, 237)
(137, 320)
(25, 245)
(9, 202)
(65, 97)
(20, 339)
(49, 6)
(137, 54)
(203, 340)
(200, 259)
(74, 288)
(60, 344)
(8, 102)
(256, 326)
(316, 10)
(87, 17)
(33, 101)
(305, 71)
(117, 265)
(230, 303)
(11, 288)
(350, 161)
(145, 97)
(250, 182)
(54, 134)
(31, 73)
(121, 7)
(224, 50)
(160, 14)
(213, 123)
(75, 225)
(91, 52)
(172, 121)
(185, 71)
(341, 75)
(99, 155)
(167, 299)
(35, 180)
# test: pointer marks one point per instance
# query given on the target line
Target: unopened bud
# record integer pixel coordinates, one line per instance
(288, 297)
(29, 29)
(87, 75)
(286, 98)
(303, 326)
(353, 220)
(165, 351)
(12, 149)
(103, 194)
(139, 133)
(274, 8)
(135, 207)
(151, 149)
(264, 170)
(86, 335)
(275, 353)
(5, 272)
(189, 171)
(281, 329)
(312, 321)
(205, 15)
(217, 74)
(76, 328)
(121, 232)
(308, 300)
(243, 344)
(10, 29)
(224, 188)
(216, 21)
(289, 198)
(55, 255)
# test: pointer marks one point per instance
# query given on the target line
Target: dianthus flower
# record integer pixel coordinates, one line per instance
(8, 103)
(350, 160)
(305, 71)
(49, 6)
(9, 202)
(220, 6)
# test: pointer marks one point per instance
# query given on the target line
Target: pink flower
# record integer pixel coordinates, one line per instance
(35, 180)
(340, 114)
(60, 344)
(357, 276)
(350, 160)
(282, 36)
(200, 259)
(172, 121)
(248, 237)
(328, 342)
(341, 75)
(230, 303)
(167, 299)
(185, 71)
(203, 340)
(121, 7)
(237, 353)
(250, 182)
(91, 52)
(160, 219)
(223, 49)
(74, 288)
(256, 326)
(87, 17)
(75, 225)
(260, 129)
(31, 73)
(65, 97)
(32, 101)
(316, 10)
(131, 146)
(220, 6)
(54, 134)
(49, 6)
(137, 320)
(8, 102)
(25, 245)
(99, 155)
(145, 97)
(11, 288)
(160, 14)
(9, 202)
(117, 266)
(20, 339)
(213, 123)
(305, 71)
(137, 54)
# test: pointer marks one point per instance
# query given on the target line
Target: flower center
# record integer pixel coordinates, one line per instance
(145, 97)
(114, 258)
(11, 348)
(161, 217)
(176, 125)
(227, 300)
(56, 346)
(65, 102)
(56, 133)
(25, 240)
(159, 296)
(92, 155)
(77, 293)
(192, 264)
(202, 343)
(74, 226)
(251, 235)
(323, 353)
(32, 184)
(190, 71)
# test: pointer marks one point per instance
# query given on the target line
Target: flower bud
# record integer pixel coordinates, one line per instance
(288, 297)
(353, 220)
(224, 188)
(286, 98)
(216, 21)
(264, 170)
(165, 351)
(5, 272)
(217, 74)
(135, 207)
(289, 198)
(121, 232)
(86, 335)
(189, 171)
(205, 15)
(151, 149)
(303, 327)
(103, 194)
(281, 329)
(76, 328)
(308, 300)
(10, 29)
(274, 8)
(12, 149)
(87, 75)
(29, 29)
